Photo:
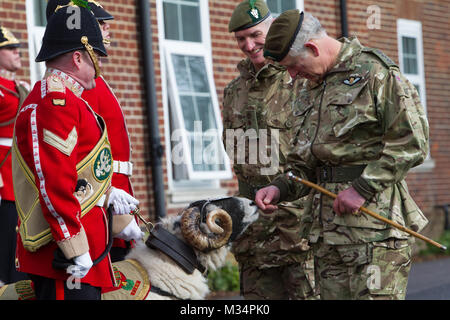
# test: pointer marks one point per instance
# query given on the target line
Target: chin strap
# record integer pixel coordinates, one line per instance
(90, 50)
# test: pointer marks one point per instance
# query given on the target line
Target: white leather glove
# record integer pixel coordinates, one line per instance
(122, 202)
(131, 232)
(82, 265)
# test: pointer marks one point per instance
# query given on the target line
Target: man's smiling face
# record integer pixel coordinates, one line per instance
(251, 42)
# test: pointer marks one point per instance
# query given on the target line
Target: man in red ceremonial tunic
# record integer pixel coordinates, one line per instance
(12, 93)
(63, 169)
(104, 102)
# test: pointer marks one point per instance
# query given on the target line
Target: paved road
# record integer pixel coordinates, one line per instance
(429, 280)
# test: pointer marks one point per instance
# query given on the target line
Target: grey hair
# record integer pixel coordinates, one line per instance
(268, 21)
(311, 29)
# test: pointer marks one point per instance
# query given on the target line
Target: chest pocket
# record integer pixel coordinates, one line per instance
(235, 100)
(281, 119)
(350, 108)
(237, 121)
(280, 99)
(302, 111)
(279, 127)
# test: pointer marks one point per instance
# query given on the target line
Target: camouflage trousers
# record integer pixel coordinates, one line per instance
(371, 271)
(289, 282)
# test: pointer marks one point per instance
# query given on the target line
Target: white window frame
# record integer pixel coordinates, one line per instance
(35, 35)
(177, 47)
(413, 29)
(188, 190)
(298, 3)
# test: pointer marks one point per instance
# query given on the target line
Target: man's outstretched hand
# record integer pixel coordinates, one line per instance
(267, 198)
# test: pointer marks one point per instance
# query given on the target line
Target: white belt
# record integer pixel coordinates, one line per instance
(123, 167)
(6, 142)
(101, 201)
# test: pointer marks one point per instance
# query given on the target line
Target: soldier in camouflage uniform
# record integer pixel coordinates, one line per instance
(274, 259)
(359, 127)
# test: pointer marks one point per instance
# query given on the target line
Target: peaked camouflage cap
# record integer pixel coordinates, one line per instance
(247, 14)
(282, 34)
(7, 39)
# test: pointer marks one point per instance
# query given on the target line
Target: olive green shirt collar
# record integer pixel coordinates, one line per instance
(345, 61)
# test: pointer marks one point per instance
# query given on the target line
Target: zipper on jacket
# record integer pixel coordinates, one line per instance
(314, 139)
(318, 119)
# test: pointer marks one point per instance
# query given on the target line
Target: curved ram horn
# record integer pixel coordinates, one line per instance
(190, 228)
(223, 217)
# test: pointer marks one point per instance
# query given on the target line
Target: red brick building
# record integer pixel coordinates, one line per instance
(194, 57)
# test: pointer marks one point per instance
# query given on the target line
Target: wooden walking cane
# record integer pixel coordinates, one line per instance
(291, 176)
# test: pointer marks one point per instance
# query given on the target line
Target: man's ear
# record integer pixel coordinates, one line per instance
(313, 47)
(77, 58)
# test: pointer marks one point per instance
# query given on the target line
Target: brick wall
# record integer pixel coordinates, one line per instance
(122, 70)
(13, 17)
(432, 188)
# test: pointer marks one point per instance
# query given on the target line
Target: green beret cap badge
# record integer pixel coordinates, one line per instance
(247, 14)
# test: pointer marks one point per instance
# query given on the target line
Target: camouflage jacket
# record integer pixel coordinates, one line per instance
(259, 105)
(364, 112)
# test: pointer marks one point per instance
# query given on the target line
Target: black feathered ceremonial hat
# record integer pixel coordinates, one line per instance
(71, 28)
(7, 39)
(99, 12)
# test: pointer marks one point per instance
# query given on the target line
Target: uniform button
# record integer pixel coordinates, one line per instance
(397, 244)
(17, 229)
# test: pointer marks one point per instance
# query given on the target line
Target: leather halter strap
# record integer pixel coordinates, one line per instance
(178, 250)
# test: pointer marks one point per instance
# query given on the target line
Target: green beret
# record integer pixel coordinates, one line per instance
(282, 34)
(247, 14)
